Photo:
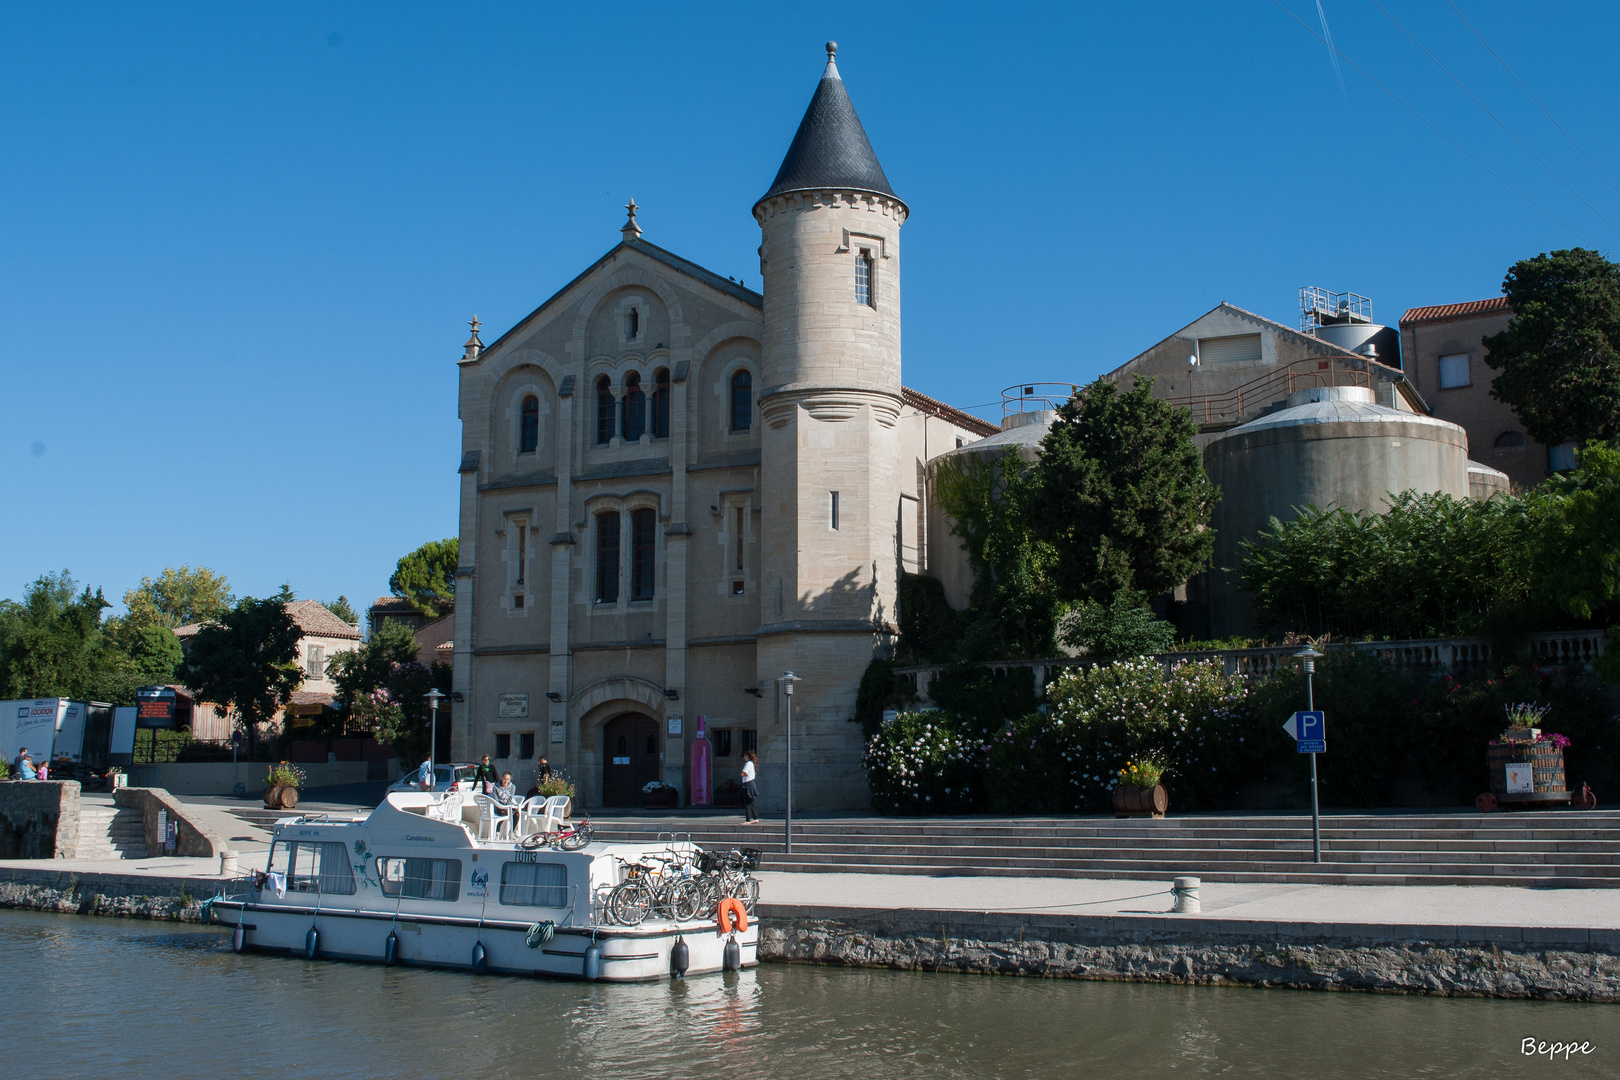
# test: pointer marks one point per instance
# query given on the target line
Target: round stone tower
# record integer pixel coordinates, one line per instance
(830, 452)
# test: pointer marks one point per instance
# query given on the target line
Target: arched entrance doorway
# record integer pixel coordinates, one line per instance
(629, 758)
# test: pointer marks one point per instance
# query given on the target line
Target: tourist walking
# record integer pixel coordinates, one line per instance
(485, 775)
(25, 765)
(750, 770)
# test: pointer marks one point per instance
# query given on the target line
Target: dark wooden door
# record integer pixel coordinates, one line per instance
(629, 759)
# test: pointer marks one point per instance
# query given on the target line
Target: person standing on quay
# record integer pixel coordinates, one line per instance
(750, 769)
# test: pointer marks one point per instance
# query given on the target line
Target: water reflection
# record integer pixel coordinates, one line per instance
(123, 998)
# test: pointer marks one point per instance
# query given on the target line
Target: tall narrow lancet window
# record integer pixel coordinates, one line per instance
(660, 404)
(529, 436)
(635, 408)
(605, 409)
(643, 554)
(632, 325)
(742, 400)
(863, 278)
(607, 557)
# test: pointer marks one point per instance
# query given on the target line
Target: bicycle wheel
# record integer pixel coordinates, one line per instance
(708, 890)
(575, 840)
(685, 901)
(627, 904)
(750, 895)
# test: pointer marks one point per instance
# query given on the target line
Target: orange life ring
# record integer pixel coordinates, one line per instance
(731, 906)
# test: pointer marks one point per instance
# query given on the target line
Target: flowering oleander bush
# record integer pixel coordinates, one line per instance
(929, 762)
(1191, 717)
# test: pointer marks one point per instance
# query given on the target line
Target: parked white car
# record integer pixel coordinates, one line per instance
(447, 776)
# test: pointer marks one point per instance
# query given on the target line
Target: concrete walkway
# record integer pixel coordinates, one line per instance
(840, 895)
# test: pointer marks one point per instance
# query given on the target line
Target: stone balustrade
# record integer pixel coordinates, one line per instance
(1437, 654)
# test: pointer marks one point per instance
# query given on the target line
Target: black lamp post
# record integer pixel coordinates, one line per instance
(434, 697)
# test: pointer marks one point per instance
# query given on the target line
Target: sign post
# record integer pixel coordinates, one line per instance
(1309, 730)
(787, 679)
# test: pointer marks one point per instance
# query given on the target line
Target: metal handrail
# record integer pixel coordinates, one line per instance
(1264, 389)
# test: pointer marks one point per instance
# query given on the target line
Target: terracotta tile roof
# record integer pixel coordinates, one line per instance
(313, 617)
(387, 604)
(188, 630)
(924, 403)
(311, 697)
(1496, 305)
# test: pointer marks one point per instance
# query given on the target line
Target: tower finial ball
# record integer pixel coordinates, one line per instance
(832, 49)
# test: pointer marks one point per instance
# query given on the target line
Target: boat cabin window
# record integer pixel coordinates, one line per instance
(420, 879)
(319, 866)
(534, 884)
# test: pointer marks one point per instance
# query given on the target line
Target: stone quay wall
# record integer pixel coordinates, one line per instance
(174, 899)
(39, 819)
(1574, 964)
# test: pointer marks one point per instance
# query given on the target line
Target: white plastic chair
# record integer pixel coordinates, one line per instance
(553, 813)
(531, 816)
(494, 820)
(449, 807)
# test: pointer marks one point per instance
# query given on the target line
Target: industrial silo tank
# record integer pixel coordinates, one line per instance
(1329, 447)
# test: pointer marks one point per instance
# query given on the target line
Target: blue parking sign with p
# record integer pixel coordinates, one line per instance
(1309, 730)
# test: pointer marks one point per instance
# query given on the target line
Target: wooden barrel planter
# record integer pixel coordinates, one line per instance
(1134, 801)
(281, 797)
(1546, 770)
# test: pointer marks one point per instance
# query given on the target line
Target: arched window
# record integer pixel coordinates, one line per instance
(643, 554)
(635, 408)
(660, 404)
(742, 400)
(607, 557)
(605, 408)
(529, 436)
(1509, 438)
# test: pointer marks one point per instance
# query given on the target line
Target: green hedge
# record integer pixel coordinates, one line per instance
(1395, 737)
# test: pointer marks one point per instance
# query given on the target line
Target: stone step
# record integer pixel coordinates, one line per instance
(1297, 874)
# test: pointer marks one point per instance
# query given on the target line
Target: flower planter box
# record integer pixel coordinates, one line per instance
(662, 799)
(1131, 801)
(1546, 761)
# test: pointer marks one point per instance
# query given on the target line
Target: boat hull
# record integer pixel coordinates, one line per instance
(628, 954)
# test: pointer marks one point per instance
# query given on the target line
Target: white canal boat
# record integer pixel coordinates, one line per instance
(422, 880)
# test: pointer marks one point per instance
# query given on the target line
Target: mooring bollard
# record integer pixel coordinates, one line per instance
(227, 863)
(1185, 891)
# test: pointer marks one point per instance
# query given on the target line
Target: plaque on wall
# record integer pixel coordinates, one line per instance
(514, 706)
(674, 725)
(556, 732)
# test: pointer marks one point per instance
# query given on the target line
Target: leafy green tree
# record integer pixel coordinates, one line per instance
(1578, 549)
(1560, 356)
(247, 662)
(1013, 607)
(53, 644)
(154, 652)
(426, 577)
(342, 609)
(179, 598)
(385, 687)
(1124, 627)
(1120, 495)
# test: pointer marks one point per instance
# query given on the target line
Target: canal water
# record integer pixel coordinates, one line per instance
(88, 997)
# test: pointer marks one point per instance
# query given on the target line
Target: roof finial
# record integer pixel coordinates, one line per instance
(631, 230)
(832, 63)
(474, 346)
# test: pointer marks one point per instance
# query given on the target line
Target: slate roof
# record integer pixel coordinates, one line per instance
(830, 149)
(1496, 305)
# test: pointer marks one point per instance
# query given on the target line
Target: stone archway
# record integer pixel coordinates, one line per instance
(630, 758)
(592, 708)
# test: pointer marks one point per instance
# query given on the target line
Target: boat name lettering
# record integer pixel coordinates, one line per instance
(528, 856)
(427, 839)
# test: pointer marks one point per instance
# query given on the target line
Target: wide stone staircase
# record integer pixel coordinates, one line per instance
(110, 832)
(1558, 848)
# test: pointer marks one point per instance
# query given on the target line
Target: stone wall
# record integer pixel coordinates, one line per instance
(193, 840)
(1555, 964)
(172, 899)
(39, 819)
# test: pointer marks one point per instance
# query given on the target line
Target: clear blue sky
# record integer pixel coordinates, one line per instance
(241, 241)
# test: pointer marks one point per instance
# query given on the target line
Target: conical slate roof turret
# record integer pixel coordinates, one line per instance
(830, 149)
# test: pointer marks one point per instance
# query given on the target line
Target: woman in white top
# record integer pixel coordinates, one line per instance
(750, 792)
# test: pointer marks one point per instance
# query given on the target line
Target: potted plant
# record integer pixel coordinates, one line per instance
(281, 786)
(657, 795)
(1527, 764)
(557, 784)
(1137, 790)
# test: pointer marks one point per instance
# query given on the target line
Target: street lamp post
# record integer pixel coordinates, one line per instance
(1308, 657)
(787, 679)
(434, 697)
